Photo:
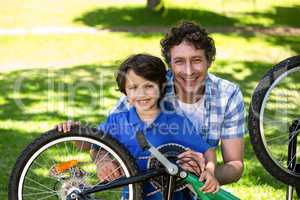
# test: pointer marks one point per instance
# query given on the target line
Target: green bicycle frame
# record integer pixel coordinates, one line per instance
(220, 195)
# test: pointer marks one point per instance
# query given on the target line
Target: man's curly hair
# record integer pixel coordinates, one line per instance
(191, 33)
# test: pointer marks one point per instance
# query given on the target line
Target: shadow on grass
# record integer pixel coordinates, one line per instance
(30, 98)
(43, 94)
(280, 16)
(254, 173)
(115, 19)
(138, 21)
(292, 42)
(257, 70)
(12, 141)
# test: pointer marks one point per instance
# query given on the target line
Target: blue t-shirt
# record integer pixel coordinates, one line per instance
(168, 127)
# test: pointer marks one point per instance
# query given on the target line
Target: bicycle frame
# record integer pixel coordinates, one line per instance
(186, 177)
(170, 170)
(123, 181)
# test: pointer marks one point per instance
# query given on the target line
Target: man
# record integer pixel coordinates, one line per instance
(214, 105)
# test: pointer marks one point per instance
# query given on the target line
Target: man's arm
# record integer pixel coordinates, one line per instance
(232, 168)
(232, 142)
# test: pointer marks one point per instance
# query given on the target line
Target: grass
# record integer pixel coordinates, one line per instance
(35, 13)
(46, 79)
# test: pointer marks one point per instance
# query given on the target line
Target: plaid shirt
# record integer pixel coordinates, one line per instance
(223, 109)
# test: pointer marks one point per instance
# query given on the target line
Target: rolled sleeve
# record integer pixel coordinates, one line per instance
(234, 120)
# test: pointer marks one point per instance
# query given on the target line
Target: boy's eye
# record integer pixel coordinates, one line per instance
(131, 88)
(149, 86)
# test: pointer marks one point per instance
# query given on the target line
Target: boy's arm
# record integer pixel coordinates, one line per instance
(210, 157)
(208, 175)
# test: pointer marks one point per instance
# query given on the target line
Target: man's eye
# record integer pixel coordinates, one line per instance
(178, 62)
(197, 61)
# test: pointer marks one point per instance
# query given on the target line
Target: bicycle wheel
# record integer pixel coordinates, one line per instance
(55, 163)
(274, 120)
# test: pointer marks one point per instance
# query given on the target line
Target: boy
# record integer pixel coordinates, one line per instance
(142, 79)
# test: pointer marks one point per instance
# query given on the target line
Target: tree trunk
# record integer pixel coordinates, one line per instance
(155, 5)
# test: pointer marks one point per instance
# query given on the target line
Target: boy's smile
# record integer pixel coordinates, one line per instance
(141, 93)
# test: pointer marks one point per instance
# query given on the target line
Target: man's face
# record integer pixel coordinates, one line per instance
(189, 66)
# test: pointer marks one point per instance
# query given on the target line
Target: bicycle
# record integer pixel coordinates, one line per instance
(57, 166)
(274, 122)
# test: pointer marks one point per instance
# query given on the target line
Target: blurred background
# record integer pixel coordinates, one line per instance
(58, 58)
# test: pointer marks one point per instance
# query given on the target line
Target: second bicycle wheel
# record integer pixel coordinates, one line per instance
(274, 121)
(55, 163)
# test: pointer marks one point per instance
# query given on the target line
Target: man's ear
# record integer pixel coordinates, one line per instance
(209, 64)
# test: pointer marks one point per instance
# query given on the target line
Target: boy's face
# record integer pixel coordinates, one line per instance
(189, 66)
(141, 93)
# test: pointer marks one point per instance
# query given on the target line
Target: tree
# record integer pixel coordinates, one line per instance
(155, 5)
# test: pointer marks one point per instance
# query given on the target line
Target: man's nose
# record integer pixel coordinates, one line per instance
(188, 68)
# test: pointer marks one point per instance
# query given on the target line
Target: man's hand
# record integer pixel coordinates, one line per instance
(187, 161)
(66, 127)
(211, 183)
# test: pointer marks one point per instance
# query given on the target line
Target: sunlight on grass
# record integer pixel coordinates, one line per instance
(234, 5)
(62, 51)
(68, 50)
(233, 47)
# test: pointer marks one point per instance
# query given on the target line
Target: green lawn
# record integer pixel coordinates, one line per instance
(49, 78)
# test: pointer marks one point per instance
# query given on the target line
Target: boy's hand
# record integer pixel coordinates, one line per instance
(211, 183)
(107, 170)
(66, 127)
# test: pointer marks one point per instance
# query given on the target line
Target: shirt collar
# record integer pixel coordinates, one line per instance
(134, 118)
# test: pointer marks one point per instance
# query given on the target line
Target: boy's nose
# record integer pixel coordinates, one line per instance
(140, 92)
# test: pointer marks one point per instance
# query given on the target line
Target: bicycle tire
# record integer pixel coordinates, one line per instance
(15, 192)
(259, 98)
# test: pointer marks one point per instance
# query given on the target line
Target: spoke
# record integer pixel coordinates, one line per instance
(95, 162)
(97, 156)
(49, 177)
(40, 184)
(291, 162)
(66, 147)
(275, 138)
(39, 193)
(112, 172)
(33, 188)
(46, 160)
(46, 197)
(100, 169)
